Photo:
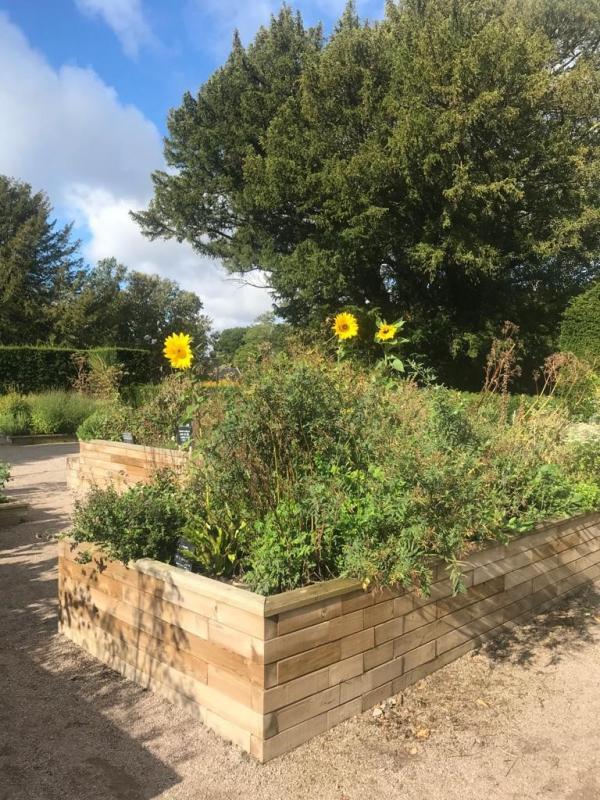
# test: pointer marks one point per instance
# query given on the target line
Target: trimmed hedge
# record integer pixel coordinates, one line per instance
(31, 368)
(580, 329)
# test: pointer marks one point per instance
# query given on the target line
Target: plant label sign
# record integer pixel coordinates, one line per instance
(127, 437)
(184, 433)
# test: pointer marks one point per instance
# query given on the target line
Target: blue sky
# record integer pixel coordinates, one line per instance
(85, 86)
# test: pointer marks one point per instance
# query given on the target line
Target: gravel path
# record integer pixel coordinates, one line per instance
(517, 719)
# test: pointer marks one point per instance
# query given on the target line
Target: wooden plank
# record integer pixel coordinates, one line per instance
(292, 737)
(240, 619)
(357, 600)
(376, 695)
(548, 564)
(378, 655)
(472, 595)
(201, 693)
(208, 650)
(169, 613)
(442, 589)
(420, 655)
(304, 617)
(575, 582)
(486, 605)
(457, 637)
(310, 661)
(540, 534)
(145, 451)
(379, 613)
(234, 686)
(532, 555)
(299, 641)
(427, 633)
(343, 712)
(228, 730)
(294, 690)
(559, 574)
(217, 590)
(357, 642)
(298, 712)
(308, 595)
(138, 646)
(236, 642)
(420, 617)
(346, 669)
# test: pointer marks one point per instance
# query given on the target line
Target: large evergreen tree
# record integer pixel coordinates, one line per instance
(38, 264)
(443, 164)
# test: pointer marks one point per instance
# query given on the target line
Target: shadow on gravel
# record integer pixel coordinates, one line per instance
(564, 628)
(56, 740)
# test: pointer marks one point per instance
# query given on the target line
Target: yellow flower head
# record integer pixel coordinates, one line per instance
(178, 350)
(345, 326)
(386, 332)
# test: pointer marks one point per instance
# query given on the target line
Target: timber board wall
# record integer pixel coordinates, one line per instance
(102, 462)
(271, 673)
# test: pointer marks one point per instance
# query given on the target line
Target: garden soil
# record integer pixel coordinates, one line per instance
(520, 718)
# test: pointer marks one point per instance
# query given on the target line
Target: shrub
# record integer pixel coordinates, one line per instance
(143, 522)
(59, 411)
(15, 414)
(138, 394)
(333, 471)
(30, 368)
(580, 328)
(308, 469)
(155, 422)
(108, 422)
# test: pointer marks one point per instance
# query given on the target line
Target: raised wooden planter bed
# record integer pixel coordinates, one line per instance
(100, 463)
(271, 673)
(13, 512)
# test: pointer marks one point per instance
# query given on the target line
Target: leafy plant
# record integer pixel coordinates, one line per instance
(59, 412)
(145, 521)
(15, 414)
(106, 422)
(214, 543)
(338, 470)
(155, 422)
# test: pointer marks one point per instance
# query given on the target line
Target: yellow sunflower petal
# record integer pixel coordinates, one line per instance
(345, 326)
(386, 332)
(178, 350)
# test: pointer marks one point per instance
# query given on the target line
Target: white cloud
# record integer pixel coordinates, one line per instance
(67, 126)
(65, 131)
(114, 233)
(126, 18)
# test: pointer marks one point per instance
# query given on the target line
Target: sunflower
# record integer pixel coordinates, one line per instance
(345, 326)
(178, 350)
(386, 332)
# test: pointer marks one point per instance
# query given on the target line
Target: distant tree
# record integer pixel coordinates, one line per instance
(442, 164)
(243, 346)
(38, 264)
(226, 343)
(92, 312)
(153, 307)
(110, 305)
(263, 338)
